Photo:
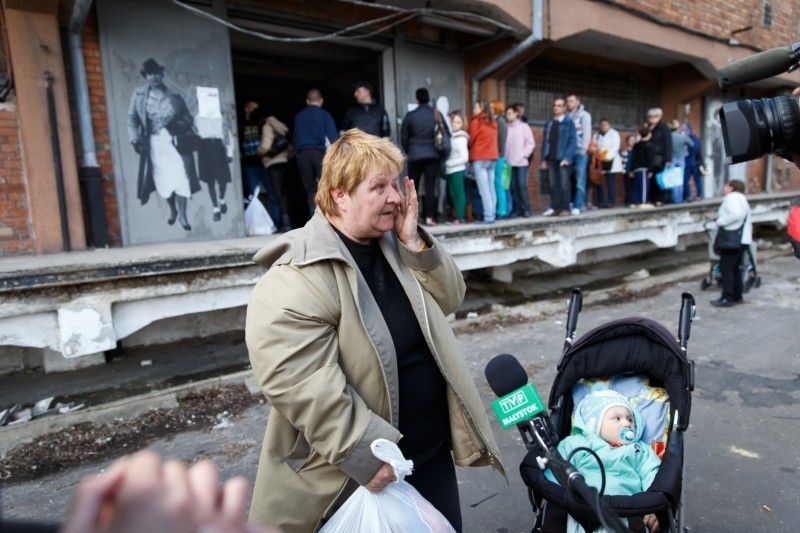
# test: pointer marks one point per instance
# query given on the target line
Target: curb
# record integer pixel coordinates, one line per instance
(131, 407)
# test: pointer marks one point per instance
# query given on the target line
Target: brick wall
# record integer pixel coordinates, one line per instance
(15, 228)
(718, 19)
(97, 102)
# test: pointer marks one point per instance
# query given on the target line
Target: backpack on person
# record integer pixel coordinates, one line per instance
(441, 137)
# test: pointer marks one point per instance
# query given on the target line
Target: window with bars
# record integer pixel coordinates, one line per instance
(622, 98)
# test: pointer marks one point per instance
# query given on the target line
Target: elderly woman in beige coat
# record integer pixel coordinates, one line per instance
(349, 341)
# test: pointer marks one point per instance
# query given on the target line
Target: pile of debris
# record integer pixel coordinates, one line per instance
(91, 442)
(19, 414)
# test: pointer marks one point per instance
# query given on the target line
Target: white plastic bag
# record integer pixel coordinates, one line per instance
(398, 508)
(256, 219)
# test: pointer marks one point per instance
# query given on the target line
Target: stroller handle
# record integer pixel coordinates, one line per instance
(688, 309)
(574, 308)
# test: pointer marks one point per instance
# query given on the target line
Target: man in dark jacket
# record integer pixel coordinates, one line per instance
(558, 150)
(367, 115)
(417, 137)
(661, 146)
(313, 131)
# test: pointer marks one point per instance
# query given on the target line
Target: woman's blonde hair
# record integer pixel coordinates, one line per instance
(350, 160)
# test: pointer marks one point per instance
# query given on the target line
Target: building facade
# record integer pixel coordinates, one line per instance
(71, 177)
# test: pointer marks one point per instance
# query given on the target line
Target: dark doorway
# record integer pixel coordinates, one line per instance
(278, 75)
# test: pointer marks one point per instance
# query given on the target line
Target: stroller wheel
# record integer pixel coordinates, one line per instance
(757, 283)
(705, 284)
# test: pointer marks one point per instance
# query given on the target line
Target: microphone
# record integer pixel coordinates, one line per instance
(518, 403)
(759, 66)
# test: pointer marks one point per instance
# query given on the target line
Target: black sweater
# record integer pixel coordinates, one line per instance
(423, 417)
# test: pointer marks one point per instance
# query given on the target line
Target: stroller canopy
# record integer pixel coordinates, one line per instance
(626, 346)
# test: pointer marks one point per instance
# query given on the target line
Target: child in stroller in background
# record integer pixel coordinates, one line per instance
(605, 423)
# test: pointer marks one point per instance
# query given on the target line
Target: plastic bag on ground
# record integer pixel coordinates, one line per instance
(256, 218)
(397, 508)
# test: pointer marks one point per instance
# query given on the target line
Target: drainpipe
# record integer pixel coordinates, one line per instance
(533, 38)
(89, 173)
(57, 168)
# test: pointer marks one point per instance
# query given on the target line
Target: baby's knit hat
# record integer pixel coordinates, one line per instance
(595, 404)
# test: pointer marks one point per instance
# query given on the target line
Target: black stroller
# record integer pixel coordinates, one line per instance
(629, 346)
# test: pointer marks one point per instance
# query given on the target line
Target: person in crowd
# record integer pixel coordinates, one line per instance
(607, 424)
(558, 152)
(444, 206)
(733, 213)
(694, 169)
(367, 114)
(661, 147)
(641, 168)
(417, 137)
(483, 154)
(214, 155)
(502, 186)
(681, 144)
(519, 147)
(608, 143)
(456, 165)
(520, 107)
(522, 118)
(144, 493)
(349, 341)
(158, 123)
(275, 150)
(314, 130)
(626, 154)
(583, 130)
(253, 171)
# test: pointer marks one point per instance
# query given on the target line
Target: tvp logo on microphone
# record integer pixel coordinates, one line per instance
(518, 406)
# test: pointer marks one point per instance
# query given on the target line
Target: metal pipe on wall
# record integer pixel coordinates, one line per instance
(55, 144)
(79, 11)
(89, 173)
(535, 37)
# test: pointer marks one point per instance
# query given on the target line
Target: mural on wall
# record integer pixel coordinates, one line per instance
(172, 121)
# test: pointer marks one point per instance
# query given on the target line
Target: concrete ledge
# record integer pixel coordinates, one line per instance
(84, 303)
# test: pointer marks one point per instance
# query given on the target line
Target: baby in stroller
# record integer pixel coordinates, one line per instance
(605, 423)
(647, 365)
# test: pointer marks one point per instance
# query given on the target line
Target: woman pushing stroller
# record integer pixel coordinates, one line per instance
(733, 215)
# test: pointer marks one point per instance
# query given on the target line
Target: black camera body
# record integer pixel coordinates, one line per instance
(753, 128)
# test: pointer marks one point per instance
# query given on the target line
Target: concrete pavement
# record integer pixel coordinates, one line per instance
(742, 460)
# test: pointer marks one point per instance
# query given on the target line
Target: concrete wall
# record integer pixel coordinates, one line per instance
(195, 53)
(440, 71)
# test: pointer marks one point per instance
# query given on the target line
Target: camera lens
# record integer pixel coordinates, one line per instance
(752, 128)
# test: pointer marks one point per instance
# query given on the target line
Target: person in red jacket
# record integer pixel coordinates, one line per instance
(483, 152)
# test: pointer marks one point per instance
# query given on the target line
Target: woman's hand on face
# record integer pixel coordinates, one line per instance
(382, 477)
(405, 221)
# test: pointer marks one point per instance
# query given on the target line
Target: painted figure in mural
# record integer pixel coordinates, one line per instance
(214, 156)
(162, 132)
